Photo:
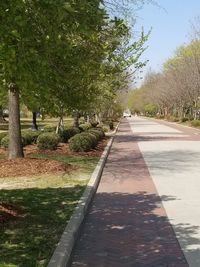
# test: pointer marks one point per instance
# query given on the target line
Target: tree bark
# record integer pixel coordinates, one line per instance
(15, 142)
(34, 121)
(2, 120)
(76, 119)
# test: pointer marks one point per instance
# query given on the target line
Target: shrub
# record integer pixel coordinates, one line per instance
(48, 141)
(30, 137)
(105, 129)
(85, 126)
(67, 133)
(49, 128)
(184, 119)
(93, 138)
(2, 135)
(111, 125)
(94, 124)
(5, 141)
(172, 118)
(195, 123)
(98, 132)
(80, 143)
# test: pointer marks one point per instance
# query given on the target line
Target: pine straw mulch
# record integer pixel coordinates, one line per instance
(30, 166)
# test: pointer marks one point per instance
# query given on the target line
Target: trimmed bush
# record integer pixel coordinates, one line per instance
(5, 141)
(98, 132)
(85, 126)
(80, 143)
(2, 135)
(67, 133)
(111, 125)
(30, 137)
(195, 123)
(105, 129)
(94, 123)
(93, 138)
(48, 141)
(49, 128)
(184, 119)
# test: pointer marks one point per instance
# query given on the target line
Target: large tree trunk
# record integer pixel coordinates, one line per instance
(15, 141)
(34, 121)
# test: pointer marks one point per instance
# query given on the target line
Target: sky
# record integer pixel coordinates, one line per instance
(171, 28)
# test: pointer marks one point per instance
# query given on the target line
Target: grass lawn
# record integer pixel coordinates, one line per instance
(27, 123)
(42, 206)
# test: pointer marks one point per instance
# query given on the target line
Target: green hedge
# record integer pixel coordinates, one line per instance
(93, 138)
(98, 132)
(49, 128)
(67, 133)
(195, 123)
(29, 137)
(48, 141)
(81, 143)
(85, 126)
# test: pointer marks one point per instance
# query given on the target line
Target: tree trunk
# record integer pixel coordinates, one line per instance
(76, 119)
(60, 125)
(34, 121)
(2, 120)
(15, 141)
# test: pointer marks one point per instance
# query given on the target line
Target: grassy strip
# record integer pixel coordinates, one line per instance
(46, 206)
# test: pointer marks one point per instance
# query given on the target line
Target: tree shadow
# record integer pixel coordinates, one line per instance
(130, 230)
(30, 239)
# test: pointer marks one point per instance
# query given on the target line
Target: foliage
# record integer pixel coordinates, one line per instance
(150, 109)
(2, 135)
(67, 133)
(81, 143)
(30, 137)
(184, 119)
(48, 141)
(195, 123)
(94, 138)
(5, 141)
(85, 126)
(111, 125)
(49, 128)
(98, 132)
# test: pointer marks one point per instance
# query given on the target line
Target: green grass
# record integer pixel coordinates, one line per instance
(27, 123)
(47, 203)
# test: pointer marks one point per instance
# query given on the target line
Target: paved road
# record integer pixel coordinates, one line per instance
(172, 154)
(146, 212)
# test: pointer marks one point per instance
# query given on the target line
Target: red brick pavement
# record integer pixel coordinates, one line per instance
(127, 225)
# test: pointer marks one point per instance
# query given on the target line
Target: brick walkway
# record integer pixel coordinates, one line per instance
(127, 225)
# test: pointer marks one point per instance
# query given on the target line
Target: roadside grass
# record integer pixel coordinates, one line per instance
(45, 204)
(27, 123)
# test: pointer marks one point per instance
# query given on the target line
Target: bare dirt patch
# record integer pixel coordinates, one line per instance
(30, 167)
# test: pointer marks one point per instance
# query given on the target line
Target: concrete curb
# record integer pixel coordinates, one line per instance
(62, 254)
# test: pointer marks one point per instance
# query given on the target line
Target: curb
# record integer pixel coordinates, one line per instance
(62, 254)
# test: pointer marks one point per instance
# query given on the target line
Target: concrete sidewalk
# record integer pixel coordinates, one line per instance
(127, 225)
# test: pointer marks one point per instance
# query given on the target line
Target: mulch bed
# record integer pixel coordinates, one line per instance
(30, 166)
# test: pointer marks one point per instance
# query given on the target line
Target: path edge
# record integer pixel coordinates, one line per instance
(62, 254)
